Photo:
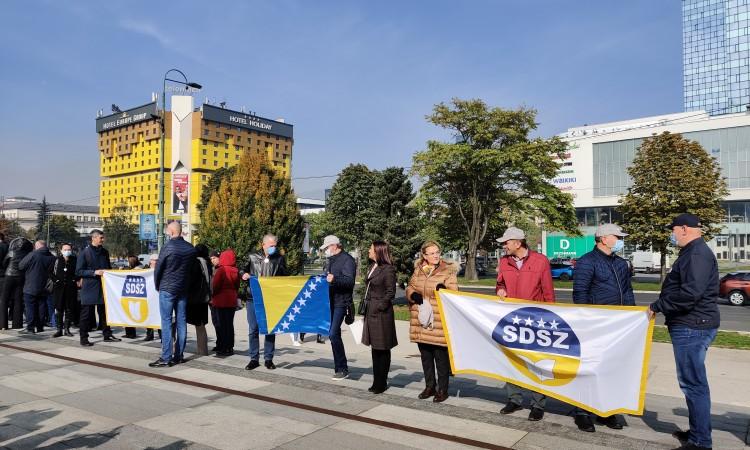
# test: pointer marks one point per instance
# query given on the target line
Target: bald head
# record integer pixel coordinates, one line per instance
(40, 244)
(174, 229)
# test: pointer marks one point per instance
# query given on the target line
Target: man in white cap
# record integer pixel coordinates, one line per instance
(603, 278)
(341, 272)
(524, 274)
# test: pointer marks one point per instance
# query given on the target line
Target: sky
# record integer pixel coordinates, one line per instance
(355, 78)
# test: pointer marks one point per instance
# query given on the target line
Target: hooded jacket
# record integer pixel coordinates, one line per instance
(425, 283)
(226, 281)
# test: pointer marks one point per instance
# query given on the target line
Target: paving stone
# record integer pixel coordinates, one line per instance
(218, 379)
(176, 387)
(83, 353)
(327, 438)
(342, 403)
(9, 396)
(131, 437)
(49, 383)
(397, 437)
(42, 359)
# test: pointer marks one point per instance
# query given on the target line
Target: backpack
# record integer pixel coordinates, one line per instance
(200, 290)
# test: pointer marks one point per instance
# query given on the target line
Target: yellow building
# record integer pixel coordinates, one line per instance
(198, 142)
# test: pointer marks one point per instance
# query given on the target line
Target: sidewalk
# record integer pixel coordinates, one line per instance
(48, 402)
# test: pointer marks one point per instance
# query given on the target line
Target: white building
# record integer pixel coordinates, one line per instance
(24, 210)
(594, 172)
(310, 205)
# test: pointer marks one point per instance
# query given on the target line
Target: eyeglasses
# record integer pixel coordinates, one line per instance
(433, 254)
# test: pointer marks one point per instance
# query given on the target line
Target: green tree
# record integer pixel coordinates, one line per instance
(494, 169)
(63, 230)
(213, 184)
(320, 224)
(671, 175)
(255, 200)
(42, 217)
(121, 234)
(350, 205)
(11, 229)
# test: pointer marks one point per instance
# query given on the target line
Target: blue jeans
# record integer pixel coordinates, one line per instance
(51, 311)
(168, 303)
(269, 343)
(337, 345)
(690, 346)
(36, 305)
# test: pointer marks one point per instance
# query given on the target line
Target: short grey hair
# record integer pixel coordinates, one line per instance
(270, 237)
(96, 232)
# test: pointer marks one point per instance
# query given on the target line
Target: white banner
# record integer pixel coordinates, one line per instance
(593, 357)
(131, 299)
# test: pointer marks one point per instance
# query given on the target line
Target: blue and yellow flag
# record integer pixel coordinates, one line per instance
(291, 304)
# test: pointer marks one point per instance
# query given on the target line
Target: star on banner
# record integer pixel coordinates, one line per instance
(516, 320)
(307, 294)
(285, 324)
(318, 279)
(302, 301)
(528, 321)
(312, 285)
(553, 324)
(540, 323)
(290, 316)
(296, 309)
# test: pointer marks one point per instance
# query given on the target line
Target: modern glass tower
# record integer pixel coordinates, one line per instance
(716, 55)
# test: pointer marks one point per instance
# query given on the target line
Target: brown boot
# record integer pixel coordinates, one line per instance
(440, 396)
(427, 393)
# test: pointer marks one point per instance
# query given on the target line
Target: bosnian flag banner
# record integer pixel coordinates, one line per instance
(590, 356)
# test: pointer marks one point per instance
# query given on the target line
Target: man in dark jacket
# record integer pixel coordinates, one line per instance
(90, 266)
(266, 263)
(36, 267)
(688, 301)
(603, 278)
(341, 271)
(171, 279)
(3, 252)
(65, 291)
(11, 300)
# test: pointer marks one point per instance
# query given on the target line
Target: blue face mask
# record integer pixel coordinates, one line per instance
(673, 240)
(271, 250)
(618, 246)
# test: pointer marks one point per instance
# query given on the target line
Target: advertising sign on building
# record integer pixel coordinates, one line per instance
(147, 229)
(180, 193)
(568, 247)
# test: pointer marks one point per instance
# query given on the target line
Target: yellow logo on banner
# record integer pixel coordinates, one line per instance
(134, 294)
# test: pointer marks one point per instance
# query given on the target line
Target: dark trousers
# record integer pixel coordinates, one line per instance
(435, 357)
(36, 306)
(65, 305)
(224, 329)
(381, 364)
(88, 323)
(11, 302)
(337, 344)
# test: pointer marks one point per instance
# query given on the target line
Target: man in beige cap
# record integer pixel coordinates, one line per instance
(524, 274)
(603, 278)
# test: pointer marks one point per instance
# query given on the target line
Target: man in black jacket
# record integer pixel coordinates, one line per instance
(3, 252)
(341, 271)
(266, 263)
(603, 278)
(688, 302)
(36, 267)
(11, 300)
(90, 267)
(171, 279)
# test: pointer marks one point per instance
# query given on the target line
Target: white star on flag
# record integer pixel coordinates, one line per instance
(318, 279)
(553, 324)
(307, 294)
(296, 309)
(302, 301)
(312, 286)
(290, 316)
(540, 323)
(528, 321)
(285, 325)
(516, 320)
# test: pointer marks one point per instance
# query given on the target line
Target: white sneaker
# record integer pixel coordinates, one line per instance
(296, 344)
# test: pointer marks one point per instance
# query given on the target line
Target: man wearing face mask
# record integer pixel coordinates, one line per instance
(688, 301)
(266, 263)
(603, 278)
(524, 274)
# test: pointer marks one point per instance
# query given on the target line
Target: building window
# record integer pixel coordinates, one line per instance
(216, 154)
(203, 161)
(204, 152)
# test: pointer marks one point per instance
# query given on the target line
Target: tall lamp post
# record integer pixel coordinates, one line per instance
(187, 84)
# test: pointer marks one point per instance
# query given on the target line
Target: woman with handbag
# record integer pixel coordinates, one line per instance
(431, 273)
(197, 307)
(379, 331)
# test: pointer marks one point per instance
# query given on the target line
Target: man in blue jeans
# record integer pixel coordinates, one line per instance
(269, 262)
(688, 302)
(171, 279)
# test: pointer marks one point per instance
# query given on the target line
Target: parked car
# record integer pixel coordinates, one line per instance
(562, 271)
(481, 269)
(735, 287)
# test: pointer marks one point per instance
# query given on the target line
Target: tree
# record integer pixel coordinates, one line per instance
(122, 235)
(254, 200)
(213, 185)
(42, 217)
(671, 175)
(493, 170)
(11, 229)
(321, 225)
(367, 205)
(63, 230)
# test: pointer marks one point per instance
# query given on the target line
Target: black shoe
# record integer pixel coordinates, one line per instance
(510, 408)
(26, 331)
(253, 364)
(612, 422)
(225, 353)
(161, 363)
(68, 333)
(149, 337)
(536, 414)
(57, 334)
(377, 391)
(584, 423)
(371, 388)
(86, 343)
(427, 393)
(270, 365)
(130, 336)
(691, 446)
(215, 349)
(682, 436)
(176, 361)
(320, 340)
(112, 339)
(440, 396)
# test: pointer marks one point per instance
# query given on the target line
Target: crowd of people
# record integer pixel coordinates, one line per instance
(191, 282)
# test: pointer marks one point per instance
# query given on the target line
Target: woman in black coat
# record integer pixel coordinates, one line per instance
(65, 291)
(380, 327)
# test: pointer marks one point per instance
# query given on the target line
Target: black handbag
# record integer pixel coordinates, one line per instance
(349, 317)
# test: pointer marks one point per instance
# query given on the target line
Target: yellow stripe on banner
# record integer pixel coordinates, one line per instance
(278, 295)
(646, 352)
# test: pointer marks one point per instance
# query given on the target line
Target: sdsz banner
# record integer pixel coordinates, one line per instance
(593, 357)
(131, 299)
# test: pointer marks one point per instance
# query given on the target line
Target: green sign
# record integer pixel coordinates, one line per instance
(568, 247)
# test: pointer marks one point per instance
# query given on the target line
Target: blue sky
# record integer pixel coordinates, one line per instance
(356, 78)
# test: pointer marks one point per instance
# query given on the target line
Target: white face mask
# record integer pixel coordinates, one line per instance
(328, 253)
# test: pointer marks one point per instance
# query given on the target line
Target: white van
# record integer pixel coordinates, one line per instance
(649, 262)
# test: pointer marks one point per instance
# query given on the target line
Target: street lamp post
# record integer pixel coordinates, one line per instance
(187, 84)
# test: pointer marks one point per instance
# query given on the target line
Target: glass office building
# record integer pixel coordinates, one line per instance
(716, 55)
